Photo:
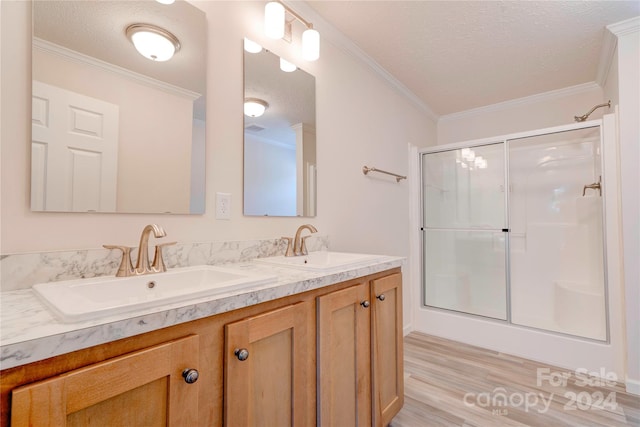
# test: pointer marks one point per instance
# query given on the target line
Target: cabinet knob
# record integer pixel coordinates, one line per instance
(242, 354)
(190, 375)
(381, 297)
(365, 304)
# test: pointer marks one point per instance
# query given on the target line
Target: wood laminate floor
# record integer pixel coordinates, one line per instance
(448, 383)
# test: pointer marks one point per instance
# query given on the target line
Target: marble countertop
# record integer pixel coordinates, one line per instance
(29, 332)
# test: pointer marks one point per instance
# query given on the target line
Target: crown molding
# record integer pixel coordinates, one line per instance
(81, 58)
(610, 42)
(623, 28)
(336, 38)
(539, 97)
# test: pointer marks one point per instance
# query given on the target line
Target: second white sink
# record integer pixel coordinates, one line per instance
(322, 261)
(84, 299)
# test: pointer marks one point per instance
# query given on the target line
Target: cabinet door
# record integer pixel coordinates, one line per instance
(388, 379)
(144, 388)
(268, 371)
(344, 352)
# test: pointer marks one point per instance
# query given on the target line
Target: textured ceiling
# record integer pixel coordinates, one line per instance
(459, 55)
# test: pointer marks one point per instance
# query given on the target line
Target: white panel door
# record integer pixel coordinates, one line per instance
(74, 158)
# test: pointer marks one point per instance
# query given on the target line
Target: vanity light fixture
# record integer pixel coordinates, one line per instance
(254, 107)
(166, 1)
(153, 42)
(275, 23)
(287, 66)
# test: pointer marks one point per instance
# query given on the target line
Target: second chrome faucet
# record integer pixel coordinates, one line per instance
(143, 266)
(298, 246)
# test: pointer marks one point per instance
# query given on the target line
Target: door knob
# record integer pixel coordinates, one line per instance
(365, 304)
(381, 297)
(190, 375)
(242, 354)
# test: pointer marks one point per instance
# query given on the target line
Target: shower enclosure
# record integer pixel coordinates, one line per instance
(513, 230)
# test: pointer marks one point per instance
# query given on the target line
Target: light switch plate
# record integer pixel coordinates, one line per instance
(223, 206)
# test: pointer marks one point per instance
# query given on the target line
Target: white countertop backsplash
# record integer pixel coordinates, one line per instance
(29, 332)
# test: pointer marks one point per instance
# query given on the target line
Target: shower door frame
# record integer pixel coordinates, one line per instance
(504, 140)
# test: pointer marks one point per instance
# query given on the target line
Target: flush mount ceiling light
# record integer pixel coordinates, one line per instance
(153, 42)
(254, 107)
(274, 27)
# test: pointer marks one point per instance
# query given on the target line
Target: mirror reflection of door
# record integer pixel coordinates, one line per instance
(74, 151)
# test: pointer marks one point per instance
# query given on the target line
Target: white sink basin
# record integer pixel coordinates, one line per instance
(321, 261)
(84, 299)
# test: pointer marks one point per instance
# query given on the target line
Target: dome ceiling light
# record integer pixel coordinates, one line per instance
(254, 107)
(152, 42)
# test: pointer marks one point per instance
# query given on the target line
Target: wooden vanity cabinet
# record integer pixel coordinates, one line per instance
(144, 388)
(344, 357)
(387, 348)
(360, 367)
(303, 350)
(268, 369)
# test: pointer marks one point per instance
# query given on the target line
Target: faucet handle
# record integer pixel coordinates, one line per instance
(289, 251)
(158, 265)
(126, 267)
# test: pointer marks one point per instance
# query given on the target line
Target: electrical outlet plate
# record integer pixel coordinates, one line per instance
(223, 206)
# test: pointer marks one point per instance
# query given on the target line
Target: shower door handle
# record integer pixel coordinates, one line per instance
(594, 186)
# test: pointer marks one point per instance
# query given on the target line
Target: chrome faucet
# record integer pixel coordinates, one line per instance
(299, 244)
(142, 264)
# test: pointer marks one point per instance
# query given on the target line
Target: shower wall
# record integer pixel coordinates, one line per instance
(556, 247)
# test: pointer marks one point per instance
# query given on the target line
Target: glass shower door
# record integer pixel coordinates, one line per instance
(463, 221)
(556, 236)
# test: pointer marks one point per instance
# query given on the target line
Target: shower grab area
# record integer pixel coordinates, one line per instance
(512, 231)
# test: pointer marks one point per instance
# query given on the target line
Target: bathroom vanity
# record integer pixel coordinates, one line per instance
(312, 348)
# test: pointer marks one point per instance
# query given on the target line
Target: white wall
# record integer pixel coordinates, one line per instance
(535, 112)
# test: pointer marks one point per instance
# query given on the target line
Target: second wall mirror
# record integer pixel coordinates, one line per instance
(280, 139)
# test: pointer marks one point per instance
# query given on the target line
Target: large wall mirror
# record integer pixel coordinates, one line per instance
(113, 131)
(280, 144)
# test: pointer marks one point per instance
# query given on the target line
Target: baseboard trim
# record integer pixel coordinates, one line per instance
(632, 386)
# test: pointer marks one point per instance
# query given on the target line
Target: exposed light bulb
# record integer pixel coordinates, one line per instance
(310, 45)
(287, 66)
(274, 20)
(251, 46)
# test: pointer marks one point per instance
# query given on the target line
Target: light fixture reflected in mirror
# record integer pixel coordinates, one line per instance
(251, 46)
(275, 23)
(254, 107)
(287, 66)
(153, 42)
